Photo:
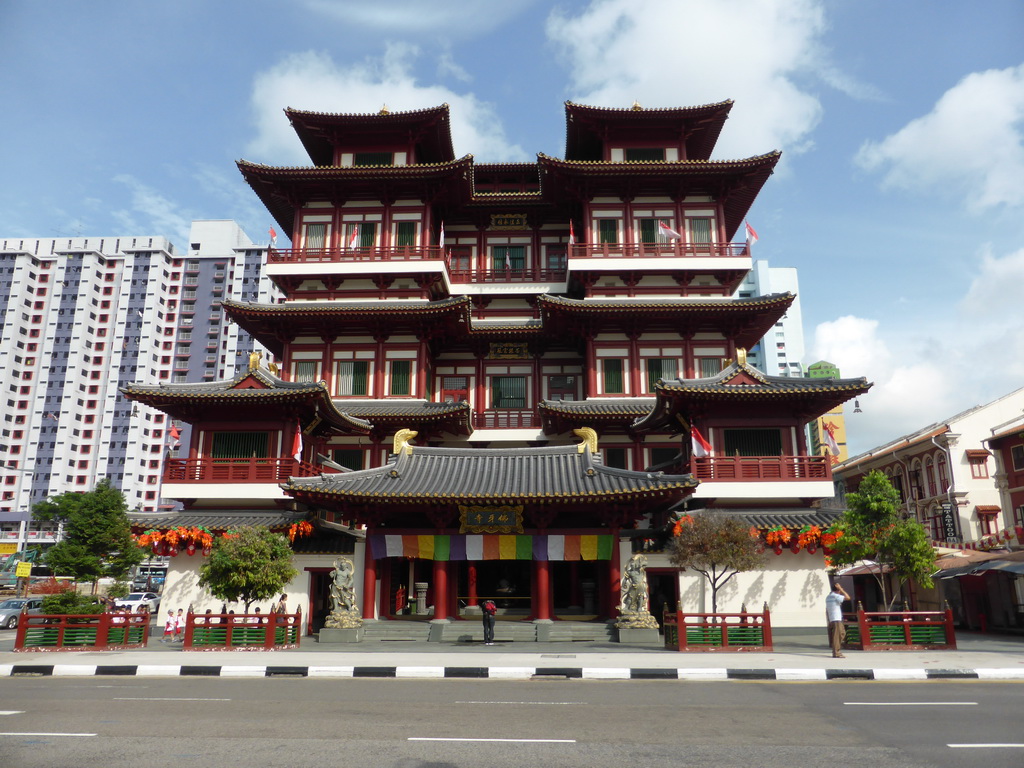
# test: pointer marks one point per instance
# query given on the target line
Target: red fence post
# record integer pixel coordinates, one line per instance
(767, 631)
(950, 633)
(190, 623)
(865, 632)
(19, 638)
(103, 630)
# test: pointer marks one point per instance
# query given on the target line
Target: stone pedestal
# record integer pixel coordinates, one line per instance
(639, 636)
(341, 635)
(589, 597)
(421, 597)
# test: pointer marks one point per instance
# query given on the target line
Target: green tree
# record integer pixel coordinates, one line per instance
(97, 538)
(716, 547)
(252, 564)
(875, 528)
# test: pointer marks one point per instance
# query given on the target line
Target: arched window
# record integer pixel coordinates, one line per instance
(943, 473)
(929, 471)
(916, 480)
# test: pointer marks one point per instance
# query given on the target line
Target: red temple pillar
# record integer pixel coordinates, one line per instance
(453, 588)
(369, 585)
(440, 589)
(471, 578)
(613, 577)
(542, 590)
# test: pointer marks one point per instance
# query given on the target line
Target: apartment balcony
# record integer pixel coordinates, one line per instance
(763, 477)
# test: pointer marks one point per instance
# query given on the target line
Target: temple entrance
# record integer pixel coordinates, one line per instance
(506, 582)
(576, 589)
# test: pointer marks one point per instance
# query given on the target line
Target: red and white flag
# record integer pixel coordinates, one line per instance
(175, 437)
(701, 447)
(751, 234)
(666, 231)
(572, 234)
(273, 236)
(297, 444)
(828, 430)
(354, 237)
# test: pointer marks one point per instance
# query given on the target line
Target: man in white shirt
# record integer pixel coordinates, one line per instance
(834, 614)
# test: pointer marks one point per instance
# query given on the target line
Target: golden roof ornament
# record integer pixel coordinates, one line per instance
(384, 110)
(402, 438)
(589, 437)
(741, 356)
(254, 360)
(636, 106)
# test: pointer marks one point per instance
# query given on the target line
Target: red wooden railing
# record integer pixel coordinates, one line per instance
(718, 631)
(759, 468)
(901, 631)
(218, 631)
(266, 470)
(87, 632)
(525, 275)
(673, 250)
(331, 255)
(506, 419)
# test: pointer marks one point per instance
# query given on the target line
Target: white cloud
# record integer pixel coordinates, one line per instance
(926, 368)
(452, 18)
(150, 211)
(312, 81)
(673, 52)
(909, 392)
(971, 143)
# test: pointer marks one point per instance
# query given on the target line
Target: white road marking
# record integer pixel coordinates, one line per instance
(526, 702)
(12, 711)
(161, 698)
(513, 741)
(985, 746)
(47, 734)
(911, 703)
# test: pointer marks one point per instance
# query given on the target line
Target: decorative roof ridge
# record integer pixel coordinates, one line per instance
(459, 161)
(569, 103)
(775, 154)
(443, 107)
(682, 301)
(734, 369)
(450, 301)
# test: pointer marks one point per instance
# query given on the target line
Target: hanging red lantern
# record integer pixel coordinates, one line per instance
(173, 551)
(207, 551)
(778, 549)
(812, 548)
(191, 549)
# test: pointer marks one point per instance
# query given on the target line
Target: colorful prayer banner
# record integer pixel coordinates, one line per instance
(552, 547)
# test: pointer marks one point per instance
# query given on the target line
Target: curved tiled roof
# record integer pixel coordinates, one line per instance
(723, 305)
(274, 390)
(739, 385)
(791, 518)
(320, 308)
(216, 520)
(767, 386)
(598, 406)
(482, 475)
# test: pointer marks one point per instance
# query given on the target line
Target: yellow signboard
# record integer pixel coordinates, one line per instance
(508, 351)
(508, 221)
(23, 571)
(8, 547)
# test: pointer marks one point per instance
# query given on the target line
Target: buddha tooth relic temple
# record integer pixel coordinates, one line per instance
(500, 380)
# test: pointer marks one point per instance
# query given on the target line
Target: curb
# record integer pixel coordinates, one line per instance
(507, 673)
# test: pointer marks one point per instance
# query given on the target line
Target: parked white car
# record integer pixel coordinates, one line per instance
(10, 610)
(135, 599)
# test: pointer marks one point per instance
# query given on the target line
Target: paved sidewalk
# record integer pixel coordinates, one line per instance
(798, 655)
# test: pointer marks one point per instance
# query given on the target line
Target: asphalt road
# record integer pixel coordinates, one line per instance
(293, 723)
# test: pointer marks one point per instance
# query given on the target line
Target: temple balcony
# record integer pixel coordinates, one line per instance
(763, 477)
(221, 477)
(525, 275)
(691, 257)
(354, 255)
(507, 419)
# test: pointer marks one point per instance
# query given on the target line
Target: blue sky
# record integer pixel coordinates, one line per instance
(899, 197)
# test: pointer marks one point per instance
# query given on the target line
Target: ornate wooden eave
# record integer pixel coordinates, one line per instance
(272, 324)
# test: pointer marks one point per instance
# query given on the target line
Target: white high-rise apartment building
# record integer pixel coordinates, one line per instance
(781, 351)
(82, 317)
